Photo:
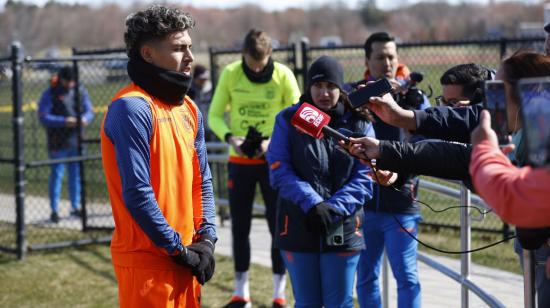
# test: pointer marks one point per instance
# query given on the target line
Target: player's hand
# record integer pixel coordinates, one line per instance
(84, 121)
(187, 258)
(383, 177)
(205, 250)
(70, 122)
(387, 109)
(365, 147)
(263, 147)
(236, 142)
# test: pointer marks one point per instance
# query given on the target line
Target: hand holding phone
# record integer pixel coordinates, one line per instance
(362, 95)
(495, 103)
(535, 109)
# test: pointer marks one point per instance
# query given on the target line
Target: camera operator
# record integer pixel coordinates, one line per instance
(379, 227)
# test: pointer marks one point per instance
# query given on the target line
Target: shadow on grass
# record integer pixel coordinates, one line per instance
(87, 266)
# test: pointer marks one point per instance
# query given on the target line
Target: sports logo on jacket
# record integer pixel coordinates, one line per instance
(311, 116)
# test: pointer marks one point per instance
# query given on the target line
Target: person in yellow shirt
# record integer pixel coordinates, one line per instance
(252, 90)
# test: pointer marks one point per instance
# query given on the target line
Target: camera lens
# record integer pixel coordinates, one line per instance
(338, 240)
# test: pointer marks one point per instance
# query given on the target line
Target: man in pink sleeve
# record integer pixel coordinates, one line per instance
(520, 196)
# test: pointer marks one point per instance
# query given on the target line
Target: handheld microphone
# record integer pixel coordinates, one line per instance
(312, 121)
(414, 79)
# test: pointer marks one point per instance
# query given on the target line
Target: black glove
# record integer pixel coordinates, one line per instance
(204, 248)
(186, 257)
(319, 218)
(252, 142)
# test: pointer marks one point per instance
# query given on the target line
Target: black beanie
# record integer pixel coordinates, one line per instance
(326, 69)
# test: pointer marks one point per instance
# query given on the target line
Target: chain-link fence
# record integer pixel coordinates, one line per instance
(27, 161)
(7, 206)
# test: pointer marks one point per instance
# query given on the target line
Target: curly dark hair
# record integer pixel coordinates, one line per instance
(154, 23)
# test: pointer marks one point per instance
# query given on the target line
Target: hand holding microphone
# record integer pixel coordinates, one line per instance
(312, 121)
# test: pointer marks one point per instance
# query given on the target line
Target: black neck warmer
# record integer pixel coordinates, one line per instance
(168, 86)
(262, 77)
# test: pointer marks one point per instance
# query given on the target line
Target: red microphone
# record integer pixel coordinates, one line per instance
(312, 121)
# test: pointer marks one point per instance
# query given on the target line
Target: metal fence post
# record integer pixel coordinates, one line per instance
(502, 45)
(213, 68)
(18, 142)
(505, 230)
(293, 58)
(305, 59)
(529, 298)
(465, 243)
(80, 150)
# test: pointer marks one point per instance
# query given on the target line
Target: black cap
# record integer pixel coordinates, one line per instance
(326, 69)
(547, 28)
(200, 72)
(66, 73)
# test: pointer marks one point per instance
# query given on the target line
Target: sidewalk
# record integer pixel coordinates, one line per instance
(437, 289)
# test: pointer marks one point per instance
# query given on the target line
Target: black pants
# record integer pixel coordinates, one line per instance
(242, 189)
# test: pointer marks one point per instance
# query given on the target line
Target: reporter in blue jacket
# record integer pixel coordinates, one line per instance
(321, 193)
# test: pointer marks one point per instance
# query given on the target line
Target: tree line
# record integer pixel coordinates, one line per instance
(63, 25)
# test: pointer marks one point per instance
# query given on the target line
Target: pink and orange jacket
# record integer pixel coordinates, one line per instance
(520, 196)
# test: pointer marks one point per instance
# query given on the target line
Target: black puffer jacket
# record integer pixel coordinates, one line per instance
(443, 159)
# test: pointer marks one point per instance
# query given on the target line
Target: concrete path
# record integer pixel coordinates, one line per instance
(437, 289)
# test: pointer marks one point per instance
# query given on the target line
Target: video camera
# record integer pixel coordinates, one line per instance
(412, 97)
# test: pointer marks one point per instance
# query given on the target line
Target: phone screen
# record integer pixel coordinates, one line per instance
(361, 96)
(535, 109)
(495, 103)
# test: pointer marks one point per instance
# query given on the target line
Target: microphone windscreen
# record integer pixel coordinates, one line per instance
(310, 120)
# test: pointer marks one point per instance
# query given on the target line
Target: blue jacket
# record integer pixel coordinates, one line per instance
(306, 171)
(57, 103)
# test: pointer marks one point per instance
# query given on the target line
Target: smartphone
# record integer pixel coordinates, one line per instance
(335, 235)
(535, 112)
(361, 96)
(495, 103)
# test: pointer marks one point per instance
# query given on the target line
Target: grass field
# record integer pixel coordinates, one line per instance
(84, 276)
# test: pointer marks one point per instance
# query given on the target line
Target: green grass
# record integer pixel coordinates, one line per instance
(73, 277)
(84, 277)
(501, 256)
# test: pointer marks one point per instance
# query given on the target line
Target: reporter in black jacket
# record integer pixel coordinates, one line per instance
(438, 158)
